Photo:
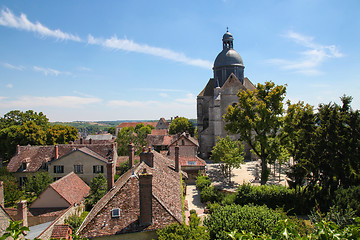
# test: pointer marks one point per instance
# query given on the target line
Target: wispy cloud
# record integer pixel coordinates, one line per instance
(9, 85)
(8, 19)
(38, 101)
(129, 45)
(49, 71)
(85, 69)
(164, 95)
(13, 67)
(159, 90)
(189, 99)
(311, 58)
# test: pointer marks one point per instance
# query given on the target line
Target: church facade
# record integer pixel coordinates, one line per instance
(218, 94)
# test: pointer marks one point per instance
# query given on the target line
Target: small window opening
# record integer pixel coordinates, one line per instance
(115, 213)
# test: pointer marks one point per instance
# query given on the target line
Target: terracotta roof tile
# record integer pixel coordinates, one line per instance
(184, 161)
(125, 195)
(61, 231)
(71, 188)
(133, 124)
(35, 156)
(159, 132)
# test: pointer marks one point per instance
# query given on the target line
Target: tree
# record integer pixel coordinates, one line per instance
(230, 153)
(60, 134)
(38, 183)
(14, 231)
(111, 130)
(18, 118)
(257, 118)
(12, 193)
(136, 135)
(98, 188)
(180, 125)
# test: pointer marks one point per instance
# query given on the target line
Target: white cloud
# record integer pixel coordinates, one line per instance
(8, 19)
(310, 59)
(9, 85)
(2, 98)
(129, 45)
(13, 67)
(59, 101)
(85, 69)
(124, 103)
(189, 99)
(50, 71)
(164, 95)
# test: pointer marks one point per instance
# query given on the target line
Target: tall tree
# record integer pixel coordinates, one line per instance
(38, 183)
(257, 118)
(180, 125)
(98, 188)
(230, 153)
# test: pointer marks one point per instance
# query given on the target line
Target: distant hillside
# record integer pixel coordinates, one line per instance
(93, 127)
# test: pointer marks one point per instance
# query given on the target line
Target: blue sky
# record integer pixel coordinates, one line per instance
(118, 60)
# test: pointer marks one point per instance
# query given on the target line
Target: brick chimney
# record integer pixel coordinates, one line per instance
(110, 174)
(2, 193)
(22, 212)
(90, 140)
(18, 149)
(147, 157)
(145, 198)
(131, 155)
(81, 140)
(177, 160)
(56, 151)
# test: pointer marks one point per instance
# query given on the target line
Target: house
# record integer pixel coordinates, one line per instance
(144, 199)
(63, 193)
(159, 140)
(86, 160)
(61, 231)
(189, 161)
(162, 124)
(133, 124)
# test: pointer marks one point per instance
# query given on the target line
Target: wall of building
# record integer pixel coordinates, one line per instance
(78, 158)
(50, 199)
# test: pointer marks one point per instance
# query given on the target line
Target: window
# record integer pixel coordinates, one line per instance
(115, 213)
(44, 166)
(182, 142)
(56, 178)
(98, 169)
(23, 166)
(191, 162)
(58, 169)
(78, 168)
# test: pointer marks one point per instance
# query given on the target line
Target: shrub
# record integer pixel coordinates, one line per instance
(75, 220)
(341, 217)
(202, 182)
(348, 198)
(210, 194)
(249, 218)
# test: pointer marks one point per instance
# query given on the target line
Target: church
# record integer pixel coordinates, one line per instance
(218, 94)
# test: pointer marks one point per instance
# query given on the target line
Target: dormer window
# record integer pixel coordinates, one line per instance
(115, 213)
(23, 166)
(182, 142)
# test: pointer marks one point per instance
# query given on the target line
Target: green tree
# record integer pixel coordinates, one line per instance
(136, 135)
(14, 231)
(180, 125)
(98, 188)
(177, 231)
(12, 192)
(230, 153)
(257, 118)
(111, 130)
(18, 118)
(60, 134)
(38, 183)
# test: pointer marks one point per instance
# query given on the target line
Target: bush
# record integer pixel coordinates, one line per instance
(202, 182)
(249, 218)
(210, 194)
(348, 198)
(75, 220)
(341, 217)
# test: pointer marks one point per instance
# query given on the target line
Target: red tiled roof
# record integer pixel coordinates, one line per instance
(61, 231)
(35, 156)
(184, 135)
(133, 124)
(122, 159)
(125, 195)
(71, 188)
(159, 132)
(184, 161)
(159, 140)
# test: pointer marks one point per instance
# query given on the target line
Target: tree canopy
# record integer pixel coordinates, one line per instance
(230, 153)
(23, 128)
(257, 118)
(38, 183)
(136, 135)
(180, 125)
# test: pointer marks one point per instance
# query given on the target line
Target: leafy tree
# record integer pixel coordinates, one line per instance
(230, 153)
(60, 134)
(18, 118)
(111, 130)
(12, 192)
(14, 231)
(38, 183)
(184, 232)
(257, 118)
(98, 188)
(180, 125)
(136, 135)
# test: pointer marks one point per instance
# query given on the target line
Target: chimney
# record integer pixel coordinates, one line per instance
(56, 151)
(110, 174)
(145, 198)
(90, 140)
(22, 212)
(147, 157)
(2, 193)
(177, 161)
(187, 134)
(81, 140)
(18, 149)
(131, 155)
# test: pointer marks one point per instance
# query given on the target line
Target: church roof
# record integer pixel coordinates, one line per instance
(228, 57)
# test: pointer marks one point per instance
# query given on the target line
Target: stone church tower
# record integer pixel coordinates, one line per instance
(218, 94)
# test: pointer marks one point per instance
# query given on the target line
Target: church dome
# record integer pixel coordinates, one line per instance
(228, 57)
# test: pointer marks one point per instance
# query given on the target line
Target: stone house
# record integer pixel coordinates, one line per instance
(219, 93)
(86, 160)
(144, 199)
(63, 193)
